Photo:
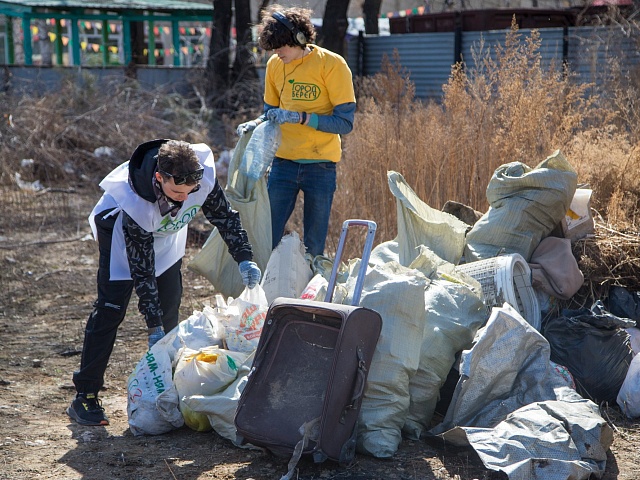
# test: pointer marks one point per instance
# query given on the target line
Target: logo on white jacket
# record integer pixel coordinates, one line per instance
(173, 225)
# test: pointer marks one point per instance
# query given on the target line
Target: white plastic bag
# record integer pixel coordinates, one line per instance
(629, 395)
(220, 408)
(397, 294)
(201, 329)
(152, 401)
(287, 272)
(418, 225)
(453, 315)
(204, 372)
(167, 404)
(244, 320)
(316, 289)
(151, 378)
(525, 204)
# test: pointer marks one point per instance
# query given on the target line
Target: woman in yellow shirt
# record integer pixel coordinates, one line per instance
(309, 92)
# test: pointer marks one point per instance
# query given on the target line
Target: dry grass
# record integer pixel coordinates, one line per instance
(510, 108)
(611, 258)
(60, 132)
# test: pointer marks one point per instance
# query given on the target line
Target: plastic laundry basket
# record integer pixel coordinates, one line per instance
(506, 278)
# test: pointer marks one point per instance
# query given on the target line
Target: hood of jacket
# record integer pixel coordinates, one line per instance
(142, 166)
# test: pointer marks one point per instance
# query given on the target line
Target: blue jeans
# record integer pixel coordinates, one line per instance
(317, 181)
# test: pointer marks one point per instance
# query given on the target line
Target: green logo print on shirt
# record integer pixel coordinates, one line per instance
(305, 91)
(168, 225)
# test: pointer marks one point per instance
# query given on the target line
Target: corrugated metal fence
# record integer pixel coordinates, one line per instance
(428, 57)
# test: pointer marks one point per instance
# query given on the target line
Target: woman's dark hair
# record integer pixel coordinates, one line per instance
(177, 158)
(274, 34)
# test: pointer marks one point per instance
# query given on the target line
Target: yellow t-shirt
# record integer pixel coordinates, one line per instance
(313, 84)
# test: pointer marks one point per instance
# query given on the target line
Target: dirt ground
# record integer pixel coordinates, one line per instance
(47, 282)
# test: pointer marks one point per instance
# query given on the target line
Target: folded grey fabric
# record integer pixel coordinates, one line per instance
(554, 269)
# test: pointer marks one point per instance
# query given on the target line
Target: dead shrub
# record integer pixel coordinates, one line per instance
(59, 133)
(509, 108)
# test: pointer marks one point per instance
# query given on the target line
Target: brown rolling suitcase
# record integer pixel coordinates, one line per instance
(305, 388)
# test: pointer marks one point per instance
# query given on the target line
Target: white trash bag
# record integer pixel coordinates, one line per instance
(288, 272)
(244, 319)
(204, 372)
(151, 378)
(152, 400)
(629, 395)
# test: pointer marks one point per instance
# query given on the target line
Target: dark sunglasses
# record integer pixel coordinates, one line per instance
(188, 178)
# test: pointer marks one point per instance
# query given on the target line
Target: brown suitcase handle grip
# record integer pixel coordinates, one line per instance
(358, 387)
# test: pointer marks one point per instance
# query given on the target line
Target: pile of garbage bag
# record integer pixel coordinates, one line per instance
(475, 301)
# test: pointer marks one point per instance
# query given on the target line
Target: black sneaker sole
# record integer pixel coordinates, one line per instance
(74, 416)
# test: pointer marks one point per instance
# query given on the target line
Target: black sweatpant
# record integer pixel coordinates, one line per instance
(110, 309)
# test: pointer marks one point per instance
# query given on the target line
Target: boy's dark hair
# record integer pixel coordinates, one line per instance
(177, 158)
(274, 34)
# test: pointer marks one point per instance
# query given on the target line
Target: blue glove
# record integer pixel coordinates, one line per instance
(155, 334)
(246, 127)
(280, 116)
(250, 273)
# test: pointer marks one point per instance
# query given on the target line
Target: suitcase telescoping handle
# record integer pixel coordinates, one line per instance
(366, 252)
